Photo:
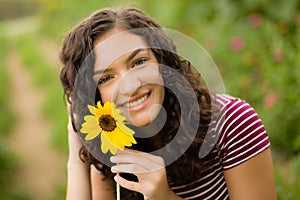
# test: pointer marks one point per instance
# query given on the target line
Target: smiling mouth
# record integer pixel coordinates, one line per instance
(137, 102)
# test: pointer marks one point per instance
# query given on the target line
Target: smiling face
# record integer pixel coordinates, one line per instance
(127, 73)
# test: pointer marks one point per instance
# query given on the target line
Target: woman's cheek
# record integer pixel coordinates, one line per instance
(105, 96)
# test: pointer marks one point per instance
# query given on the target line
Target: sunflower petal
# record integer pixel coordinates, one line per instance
(113, 150)
(99, 105)
(91, 109)
(114, 139)
(107, 108)
(115, 111)
(128, 139)
(94, 133)
(124, 128)
(91, 119)
(104, 145)
(119, 118)
(91, 123)
(125, 139)
(107, 145)
(103, 110)
(121, 139)
(85, 129)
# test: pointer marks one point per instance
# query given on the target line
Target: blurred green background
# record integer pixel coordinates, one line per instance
(255, 45)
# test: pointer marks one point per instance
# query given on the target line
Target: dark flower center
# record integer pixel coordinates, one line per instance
(107, 123)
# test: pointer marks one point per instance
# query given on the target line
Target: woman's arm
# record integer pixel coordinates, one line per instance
(78, 178)
(78, 182)
(253, 179)
(102, 188)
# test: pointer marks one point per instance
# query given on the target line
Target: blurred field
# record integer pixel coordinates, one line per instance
(255, 45)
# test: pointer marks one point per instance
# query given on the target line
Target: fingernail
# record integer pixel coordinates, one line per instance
(113, 169)
(112, 158)
(117, 178)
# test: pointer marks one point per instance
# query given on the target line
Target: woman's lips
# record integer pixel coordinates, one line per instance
(137, 103)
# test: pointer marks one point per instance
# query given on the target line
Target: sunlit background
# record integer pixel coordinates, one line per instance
(255, 44)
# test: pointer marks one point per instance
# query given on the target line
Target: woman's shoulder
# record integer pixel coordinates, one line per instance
(231, 107)
(241, 133)
(225, 99)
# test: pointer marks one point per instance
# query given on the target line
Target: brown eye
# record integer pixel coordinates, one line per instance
(104, 79)
(139, 61)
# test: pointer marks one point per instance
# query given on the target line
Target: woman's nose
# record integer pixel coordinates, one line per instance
(128, 84)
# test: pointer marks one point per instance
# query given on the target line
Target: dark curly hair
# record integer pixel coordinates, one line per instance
(78, 44)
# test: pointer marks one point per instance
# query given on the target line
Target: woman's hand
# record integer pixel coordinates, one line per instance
(74, 141)
(150, 171)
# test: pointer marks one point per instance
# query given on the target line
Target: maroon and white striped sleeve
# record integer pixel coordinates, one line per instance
(242, 134)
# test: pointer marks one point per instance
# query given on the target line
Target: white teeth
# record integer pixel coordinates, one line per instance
(137, 102)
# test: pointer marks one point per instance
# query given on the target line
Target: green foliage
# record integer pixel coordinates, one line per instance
(62, 15)
(287, 178)
(60, 191)
(6, 117)
(46, 79)
(8, 160)
(9, 163)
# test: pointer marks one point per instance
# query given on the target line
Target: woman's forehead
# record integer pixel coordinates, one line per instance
(114, 44)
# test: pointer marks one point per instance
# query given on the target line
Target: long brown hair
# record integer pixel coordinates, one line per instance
(78, 44)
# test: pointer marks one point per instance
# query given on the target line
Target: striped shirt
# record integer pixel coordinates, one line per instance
(240, 136)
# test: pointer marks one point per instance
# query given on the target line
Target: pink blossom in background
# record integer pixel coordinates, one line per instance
(237, 43)
(270, 100)
(297, 19)
(278, 55)
(255, 19)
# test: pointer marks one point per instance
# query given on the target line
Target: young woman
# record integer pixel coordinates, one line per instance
(134, 64)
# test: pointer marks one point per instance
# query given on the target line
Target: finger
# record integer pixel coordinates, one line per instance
(144, 159)
(129, 168)
(69, 109)
(130, 150)
(152, 157)
(147, 161)
(130, 185)
(73, 137)
(70, 116)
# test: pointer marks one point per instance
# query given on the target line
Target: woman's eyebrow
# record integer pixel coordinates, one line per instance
(134, 53)
(131, 55)
(100, 71)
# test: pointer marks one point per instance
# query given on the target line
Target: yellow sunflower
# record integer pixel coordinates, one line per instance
(107, 122)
